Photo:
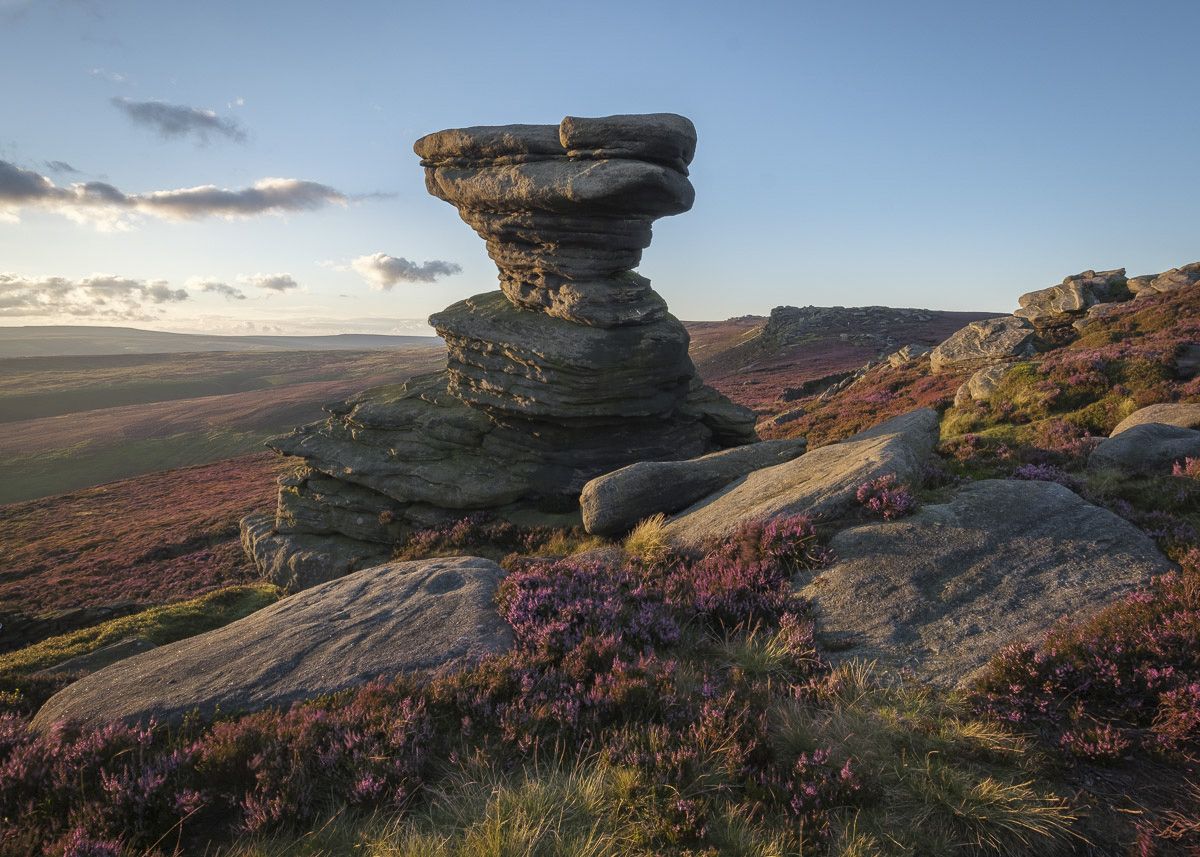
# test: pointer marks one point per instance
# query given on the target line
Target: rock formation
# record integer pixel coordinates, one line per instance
(985, 343)
(574, 368)
(405, 616)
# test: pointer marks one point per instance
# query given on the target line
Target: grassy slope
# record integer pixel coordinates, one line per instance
(52, 454)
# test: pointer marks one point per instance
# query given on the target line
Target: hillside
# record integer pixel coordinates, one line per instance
(85, 340)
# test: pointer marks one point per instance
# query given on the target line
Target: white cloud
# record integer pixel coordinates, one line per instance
(383, 271)
(99, 296)
(108, 207)
(271, 282)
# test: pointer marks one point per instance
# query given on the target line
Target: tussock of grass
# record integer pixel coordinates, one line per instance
(648, 541)
(158, 625)
(940, 781)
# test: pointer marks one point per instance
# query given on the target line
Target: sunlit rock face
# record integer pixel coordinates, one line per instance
(573, 369)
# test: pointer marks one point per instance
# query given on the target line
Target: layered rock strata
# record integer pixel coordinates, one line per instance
(573, 369)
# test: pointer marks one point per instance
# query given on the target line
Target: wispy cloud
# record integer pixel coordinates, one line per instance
(270, 282)
(62, 168)
(110, 76)
(108, 207)
(383, 271)
(98, 296)
(216, 287)
(178, 120)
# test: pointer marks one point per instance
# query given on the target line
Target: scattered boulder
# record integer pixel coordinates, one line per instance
(1149, 448)
(821, 483)
(980, 386)
(982, 343)
(1169, 414)
(404, 616)
(907, 354)
(615, 502)
(945, 589)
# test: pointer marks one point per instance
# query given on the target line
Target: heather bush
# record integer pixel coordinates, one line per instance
(886, 497)
(1128, 677)
(485, 534)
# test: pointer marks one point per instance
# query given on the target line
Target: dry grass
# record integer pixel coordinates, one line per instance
(648, 541)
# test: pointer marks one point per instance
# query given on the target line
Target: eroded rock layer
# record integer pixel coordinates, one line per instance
(573, 369)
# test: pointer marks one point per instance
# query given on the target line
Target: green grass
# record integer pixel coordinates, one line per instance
(158, 625)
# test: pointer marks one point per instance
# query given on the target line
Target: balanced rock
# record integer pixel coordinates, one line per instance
(983, 343)
(573, 369)
(615, 502)
(943, 590)
(821, 483)
(1148, 449)
(378, 622)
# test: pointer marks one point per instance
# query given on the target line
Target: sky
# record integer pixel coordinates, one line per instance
(237, 167)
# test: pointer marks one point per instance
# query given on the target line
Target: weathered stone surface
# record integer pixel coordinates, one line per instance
(1168, 281)
(404, 616)
(907, 354)
(297, 560)
(982, 343)
(1169, 413)
(82, 665)
(534, 365)
(1149, 448)
(821, 483)
(980, 386)
(945, 589)
(1061, 305)
(615, 502)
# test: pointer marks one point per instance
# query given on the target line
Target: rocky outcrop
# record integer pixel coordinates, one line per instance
(406, 616)
(942, 591)
(1059, 306)
(821, 483)
(984, 343)
(1170, 414)
(615, 502)
(573, 369)
(1167, 281)
(907, 354)
(1149, 448)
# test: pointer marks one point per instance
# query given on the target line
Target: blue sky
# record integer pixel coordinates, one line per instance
(940, 154)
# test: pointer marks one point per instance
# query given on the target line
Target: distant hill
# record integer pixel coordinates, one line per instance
(85, 340)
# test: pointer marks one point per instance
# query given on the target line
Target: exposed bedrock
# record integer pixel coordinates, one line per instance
(573, 369)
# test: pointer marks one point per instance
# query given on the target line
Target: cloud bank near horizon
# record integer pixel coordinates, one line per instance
(98, 296)
(107, 207)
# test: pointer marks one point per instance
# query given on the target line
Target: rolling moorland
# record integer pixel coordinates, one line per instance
(718, 721)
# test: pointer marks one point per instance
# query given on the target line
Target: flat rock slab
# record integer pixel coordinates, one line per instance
(399, 617)
(1170, 414)
(942, 591)
(821, 483)
(615, 502)
(1149, 448)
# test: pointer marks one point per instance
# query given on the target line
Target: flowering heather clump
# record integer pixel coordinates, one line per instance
(1189, 468)
(886, 497)
(1128, 676)
(470, 533)
(1047, 473)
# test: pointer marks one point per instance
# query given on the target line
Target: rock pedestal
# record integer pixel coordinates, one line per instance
(573, 369)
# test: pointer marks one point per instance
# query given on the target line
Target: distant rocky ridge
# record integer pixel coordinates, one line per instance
(574, 368)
